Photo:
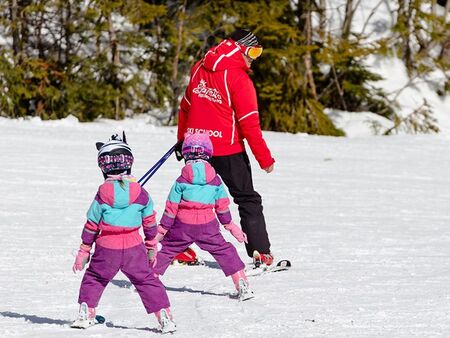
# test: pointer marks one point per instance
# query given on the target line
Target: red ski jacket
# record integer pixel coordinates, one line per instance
(221, 100)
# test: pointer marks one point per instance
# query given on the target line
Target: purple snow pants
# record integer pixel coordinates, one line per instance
(207, 237)
(133, 262)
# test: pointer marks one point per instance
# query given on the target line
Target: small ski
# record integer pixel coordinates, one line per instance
(86, 323)
(282, 265)
(198, 261)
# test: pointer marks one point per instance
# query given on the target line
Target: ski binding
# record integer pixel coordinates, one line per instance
(83, 321)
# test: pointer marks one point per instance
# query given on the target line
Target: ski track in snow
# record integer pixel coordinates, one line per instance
(365, 222)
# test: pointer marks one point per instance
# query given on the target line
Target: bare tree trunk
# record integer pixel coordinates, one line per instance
(409, 24)
(179, 44)
(404, 19)
(62, 33)
(65, 12)
(322, 9)
(175, 85)
(339, 88)
(301, 17)
(304, 17)
(24, 25)
(38, 32)
(115, 55)
(307, 57)
(445, 50)
(347, 25)
(68, 33)
(98, 36)
(305, 12)
(15, 24)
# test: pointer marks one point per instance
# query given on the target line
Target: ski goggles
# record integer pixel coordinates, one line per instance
(252, 52)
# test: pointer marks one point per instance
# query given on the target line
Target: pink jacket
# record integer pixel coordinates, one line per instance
(119, 210)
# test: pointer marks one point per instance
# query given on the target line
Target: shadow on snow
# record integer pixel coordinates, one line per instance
(45, 320)
(127, 285)
(35, 319)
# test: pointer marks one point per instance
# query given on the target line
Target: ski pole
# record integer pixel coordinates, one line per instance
(150, 173)
(157, 165)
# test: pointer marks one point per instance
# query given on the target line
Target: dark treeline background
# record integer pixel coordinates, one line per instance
(117, 58)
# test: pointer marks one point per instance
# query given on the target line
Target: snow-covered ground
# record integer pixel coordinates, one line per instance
(364, 220)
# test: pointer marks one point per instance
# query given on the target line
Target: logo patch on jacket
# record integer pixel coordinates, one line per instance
(211, 94)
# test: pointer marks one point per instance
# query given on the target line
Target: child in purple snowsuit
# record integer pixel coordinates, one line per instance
(119, 209)
(195, 199)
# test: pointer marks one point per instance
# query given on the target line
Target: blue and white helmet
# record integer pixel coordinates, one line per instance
(114, 155)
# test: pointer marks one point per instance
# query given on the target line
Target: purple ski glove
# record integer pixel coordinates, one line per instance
(236, 232)
(82, 258)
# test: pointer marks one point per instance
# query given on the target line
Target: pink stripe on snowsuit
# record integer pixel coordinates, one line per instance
(131, 204)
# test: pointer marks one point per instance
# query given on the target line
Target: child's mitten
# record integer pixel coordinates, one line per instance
(82, 258)
(236, 232)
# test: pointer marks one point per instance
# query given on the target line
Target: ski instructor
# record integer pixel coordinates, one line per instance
(220, 100)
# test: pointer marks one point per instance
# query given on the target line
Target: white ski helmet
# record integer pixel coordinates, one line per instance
(115, 155)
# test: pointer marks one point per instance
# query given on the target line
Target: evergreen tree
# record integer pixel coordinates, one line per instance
(424, 37)
(81, 59)
(116, 58)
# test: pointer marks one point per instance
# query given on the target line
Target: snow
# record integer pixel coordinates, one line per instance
(372, 19)
(411, 94)
(359, 124)
(364, 221)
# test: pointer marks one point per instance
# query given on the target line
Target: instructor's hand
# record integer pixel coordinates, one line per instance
(178, 152)
(269, 169)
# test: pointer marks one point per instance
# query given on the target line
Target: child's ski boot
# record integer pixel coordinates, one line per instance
(87, 318)
(187, 257)
(241, 284)
(167, 325)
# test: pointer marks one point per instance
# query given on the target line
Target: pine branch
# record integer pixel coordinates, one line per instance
(421, 120)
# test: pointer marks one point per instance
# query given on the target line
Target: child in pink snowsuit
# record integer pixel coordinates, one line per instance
(121, 206)
(194, 201)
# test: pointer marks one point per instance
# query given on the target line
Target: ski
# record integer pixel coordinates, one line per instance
(86, 323)
(281, 265)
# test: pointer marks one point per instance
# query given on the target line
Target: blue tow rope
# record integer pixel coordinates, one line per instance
(156, 166)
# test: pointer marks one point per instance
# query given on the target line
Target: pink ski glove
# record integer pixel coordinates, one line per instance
(160, 234)
(82, 258)
(236, 232)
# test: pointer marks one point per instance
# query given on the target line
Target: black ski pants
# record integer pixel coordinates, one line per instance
(236, 173)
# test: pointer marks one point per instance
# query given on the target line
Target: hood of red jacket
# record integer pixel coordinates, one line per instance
(226, 55)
